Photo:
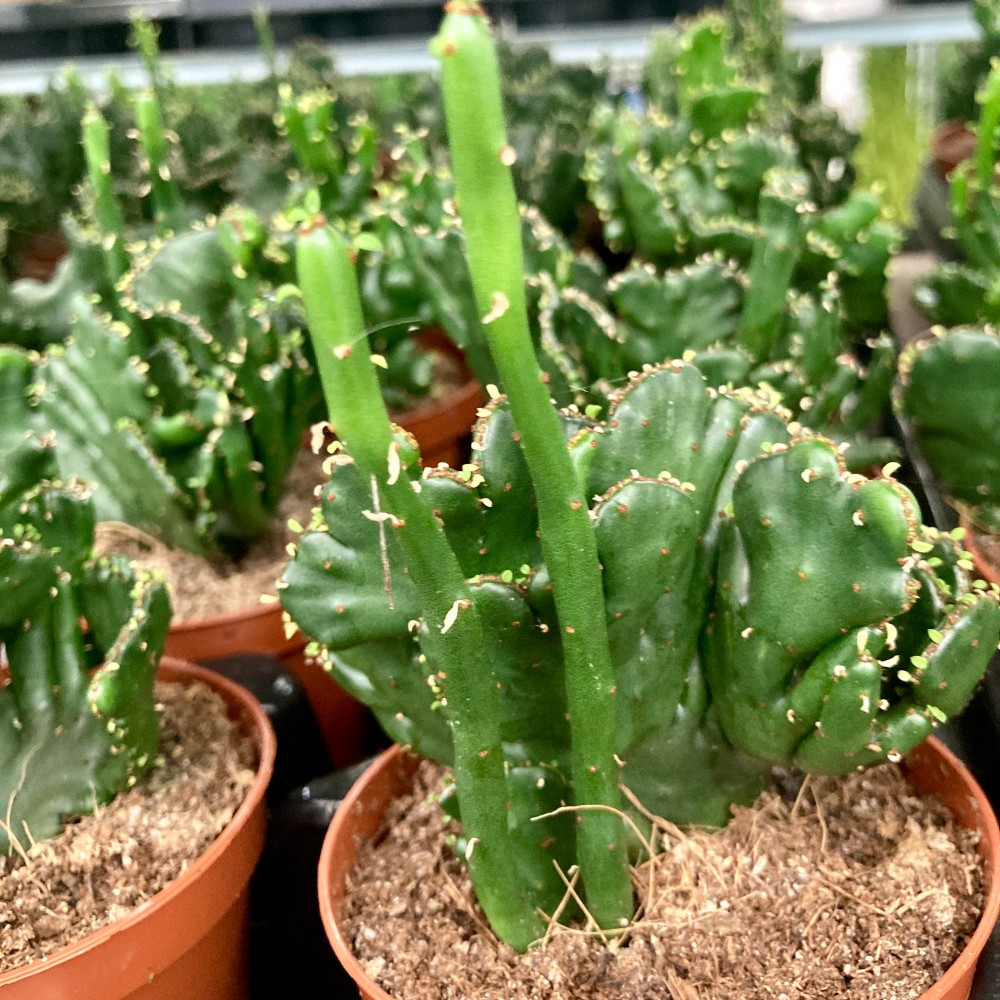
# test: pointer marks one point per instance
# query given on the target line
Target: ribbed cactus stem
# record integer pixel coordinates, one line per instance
(452, 633)
(108, 210)
(146, 38)
(488, 208)
(168, 206)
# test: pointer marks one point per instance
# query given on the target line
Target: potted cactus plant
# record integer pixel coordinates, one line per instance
(596, 603)
(80, 643)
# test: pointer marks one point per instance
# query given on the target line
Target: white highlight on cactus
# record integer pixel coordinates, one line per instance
(499, 305)
(452, 616)
(394, 464)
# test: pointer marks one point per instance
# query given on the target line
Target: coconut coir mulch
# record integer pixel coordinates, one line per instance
(102, 866)
(855, 887)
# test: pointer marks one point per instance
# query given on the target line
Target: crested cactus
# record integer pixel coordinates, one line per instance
(947, 389)
(82, 638)
(214, 395)
(690, 521)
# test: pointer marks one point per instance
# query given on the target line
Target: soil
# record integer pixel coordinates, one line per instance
(856, 887)
(103, 866)
(201, 589)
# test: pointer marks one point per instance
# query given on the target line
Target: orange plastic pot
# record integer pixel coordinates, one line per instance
(260, 629)
(933, 769)
(985, 566)
(190, 939)
(39, 255)
(952, 143)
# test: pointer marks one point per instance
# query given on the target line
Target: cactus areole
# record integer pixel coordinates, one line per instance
(671, 600)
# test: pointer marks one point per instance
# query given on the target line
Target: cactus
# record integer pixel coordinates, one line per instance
(947, 389)
(441, 599)
(687, 177)
(338, 159)
(748, 326)
(967, 292)
(187, 434)
(78, 719)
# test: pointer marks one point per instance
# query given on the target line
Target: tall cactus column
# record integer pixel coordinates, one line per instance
(488, 208)
(451, 633)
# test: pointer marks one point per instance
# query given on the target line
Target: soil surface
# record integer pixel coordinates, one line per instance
(102, 866)
(854, 888)
(201, 589)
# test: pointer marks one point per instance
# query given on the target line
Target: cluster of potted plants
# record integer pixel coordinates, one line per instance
(663, 566)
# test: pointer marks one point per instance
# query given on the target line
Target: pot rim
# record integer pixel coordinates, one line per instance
(249, 612)
(952, 976)
(258, 725)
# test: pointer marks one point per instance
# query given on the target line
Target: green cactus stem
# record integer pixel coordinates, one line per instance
(948, 390)
(450, 630)
(107, 209)
(168, 204)
(70, 739)
(487, 204)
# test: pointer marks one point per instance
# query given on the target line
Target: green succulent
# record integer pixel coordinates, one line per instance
(595, 603)
(948, 392)
(686, 177)
(968, 292)
(81, 637)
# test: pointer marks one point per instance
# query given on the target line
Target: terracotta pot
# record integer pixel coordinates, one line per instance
(260, 629)
(442, 429)
(39, 255)
(952, 143)
(986, 566)
(932, 768)
(190, 939)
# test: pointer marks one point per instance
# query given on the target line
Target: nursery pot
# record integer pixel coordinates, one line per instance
(260, 629)
(190, 939)
(952, 143)
(933, 769)
(39, 255)
(442, 428)
(986, 566)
